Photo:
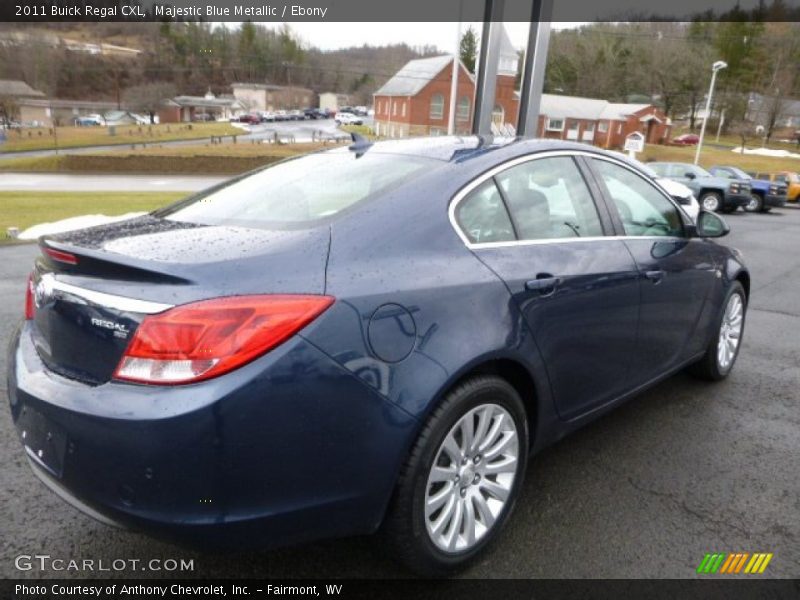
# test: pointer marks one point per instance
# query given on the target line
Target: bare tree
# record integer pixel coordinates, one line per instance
(148, 97)
(8, 110)
(745, 130)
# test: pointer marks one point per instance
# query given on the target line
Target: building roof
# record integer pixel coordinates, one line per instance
(13, 87)
(415, 75)
(205, 101)
(575, 107)
(56, 103)
(267, 86)
(760, 105)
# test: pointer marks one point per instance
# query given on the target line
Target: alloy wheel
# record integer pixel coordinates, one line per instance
(711, 202)
(471, 478)
(730, 332)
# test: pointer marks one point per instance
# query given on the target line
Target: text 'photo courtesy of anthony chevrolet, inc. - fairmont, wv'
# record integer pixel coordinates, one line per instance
(424, 299)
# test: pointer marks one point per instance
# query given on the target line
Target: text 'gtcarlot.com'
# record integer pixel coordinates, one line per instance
(45, 562)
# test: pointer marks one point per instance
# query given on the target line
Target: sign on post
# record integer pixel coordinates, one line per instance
(634, 142)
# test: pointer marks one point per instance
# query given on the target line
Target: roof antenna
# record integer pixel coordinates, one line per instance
(360, 144)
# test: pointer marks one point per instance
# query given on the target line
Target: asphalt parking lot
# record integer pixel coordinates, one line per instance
(684, 469)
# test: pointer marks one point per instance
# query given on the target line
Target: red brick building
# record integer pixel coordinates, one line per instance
(416, 101)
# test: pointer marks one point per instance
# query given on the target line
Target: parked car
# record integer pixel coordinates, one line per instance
(343, 118)
(204, 117)
(765, 194)
(790, 179)
(687, 139)
(361, 111)
(250, 119)
(267, 116)
(713, 193)
(378, 335)
(281, 115)
(88, 121)
(679, 192)
(296, 115)
(682, 195)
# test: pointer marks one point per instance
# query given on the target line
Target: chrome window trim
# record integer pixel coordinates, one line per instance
(72, 293)
(469, 187)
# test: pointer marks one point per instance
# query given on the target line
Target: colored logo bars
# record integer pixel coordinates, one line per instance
(734, 563)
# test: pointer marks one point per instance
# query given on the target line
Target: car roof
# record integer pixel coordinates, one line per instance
(458, 149)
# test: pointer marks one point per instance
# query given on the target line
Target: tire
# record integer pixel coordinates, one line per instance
(409, 526)
(711, 367)
(756, 204)
(711, 201)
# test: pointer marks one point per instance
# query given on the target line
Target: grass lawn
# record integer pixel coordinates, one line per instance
(23, 209)
(206, 159)
(714, 156)
(43, 138)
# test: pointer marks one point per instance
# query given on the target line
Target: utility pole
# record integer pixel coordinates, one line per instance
(715, 68)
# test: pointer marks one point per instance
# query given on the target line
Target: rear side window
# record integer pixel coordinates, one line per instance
(482, 216)
(548, 198)
(642, 208)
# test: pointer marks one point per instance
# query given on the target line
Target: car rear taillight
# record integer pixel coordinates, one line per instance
(64, 257)
(205, 339)
(30, 304)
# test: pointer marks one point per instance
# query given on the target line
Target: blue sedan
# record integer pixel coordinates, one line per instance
(369, 338)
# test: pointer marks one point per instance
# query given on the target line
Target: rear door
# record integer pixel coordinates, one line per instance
(535, 223)
(676, 271)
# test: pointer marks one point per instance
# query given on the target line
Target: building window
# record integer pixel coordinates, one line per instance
(619, 128)
(572, 130)
(602, 126)
(394, 108)
(462, 112)
(404, 108)
(588, 128)
(437, 106)
(554, 124)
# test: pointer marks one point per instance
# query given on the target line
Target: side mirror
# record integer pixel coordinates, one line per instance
(711, 225)
(689, 175)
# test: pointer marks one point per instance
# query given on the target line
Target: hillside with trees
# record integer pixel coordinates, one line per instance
(663, 62)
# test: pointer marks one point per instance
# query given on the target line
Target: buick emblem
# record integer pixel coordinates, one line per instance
(43, 291)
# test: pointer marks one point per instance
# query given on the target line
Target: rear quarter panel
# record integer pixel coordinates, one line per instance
(402, 251)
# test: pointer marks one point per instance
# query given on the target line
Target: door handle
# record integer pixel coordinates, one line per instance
(544, 283)
(655, 276)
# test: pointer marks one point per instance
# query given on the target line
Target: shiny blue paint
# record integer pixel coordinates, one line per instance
(307, 440)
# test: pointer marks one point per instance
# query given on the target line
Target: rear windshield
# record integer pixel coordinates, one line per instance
(300, 192)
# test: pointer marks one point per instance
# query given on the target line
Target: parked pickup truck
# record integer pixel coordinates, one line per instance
(766, 194)
(713, 193)
(790, 179)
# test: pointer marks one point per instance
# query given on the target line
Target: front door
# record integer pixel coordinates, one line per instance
(676, 272)
(576, 287)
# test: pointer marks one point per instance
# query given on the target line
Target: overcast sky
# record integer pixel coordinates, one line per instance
(330, 36)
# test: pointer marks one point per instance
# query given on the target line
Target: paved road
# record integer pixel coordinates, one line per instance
(64, 182)
(686, 468)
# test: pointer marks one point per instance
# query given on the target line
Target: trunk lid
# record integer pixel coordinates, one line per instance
(87, 312)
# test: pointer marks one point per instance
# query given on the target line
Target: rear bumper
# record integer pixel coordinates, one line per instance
(287, 449)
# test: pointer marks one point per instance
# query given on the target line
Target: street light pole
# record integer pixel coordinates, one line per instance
(715, 68)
